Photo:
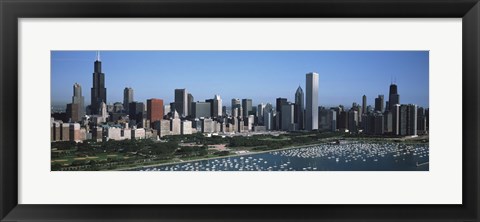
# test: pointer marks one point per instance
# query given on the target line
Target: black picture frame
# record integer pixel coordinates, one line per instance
(11, 11)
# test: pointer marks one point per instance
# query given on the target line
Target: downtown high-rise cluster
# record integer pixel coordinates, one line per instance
(390, 118)
(132, 119)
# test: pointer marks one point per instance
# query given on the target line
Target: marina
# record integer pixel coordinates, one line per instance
(354, 156)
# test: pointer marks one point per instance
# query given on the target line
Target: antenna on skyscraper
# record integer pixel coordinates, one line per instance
(98, 55)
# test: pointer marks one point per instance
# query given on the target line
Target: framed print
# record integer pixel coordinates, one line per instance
(268, 110)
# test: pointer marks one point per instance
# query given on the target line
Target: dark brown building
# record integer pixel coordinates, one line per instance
(154, 110)
(73, 110)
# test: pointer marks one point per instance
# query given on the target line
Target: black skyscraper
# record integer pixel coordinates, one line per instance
(379, 103)
(99, 92)
(393, 97)
(181, 102)
(136, 112)
(364, 104)
(211, 106)
(247, 107)
(280, 103)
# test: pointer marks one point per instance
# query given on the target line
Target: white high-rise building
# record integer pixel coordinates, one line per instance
(217, 106)
(311, 114)
(250, 120)
(175, 124)
(186, 127)
(103, 112)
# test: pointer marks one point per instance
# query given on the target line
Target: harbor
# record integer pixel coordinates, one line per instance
(354, 156)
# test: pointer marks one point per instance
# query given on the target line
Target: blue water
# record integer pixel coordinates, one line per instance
(355, 156)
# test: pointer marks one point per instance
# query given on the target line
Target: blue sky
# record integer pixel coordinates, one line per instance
(345, 76)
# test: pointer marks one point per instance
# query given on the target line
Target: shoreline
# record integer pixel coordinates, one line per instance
(213, 158)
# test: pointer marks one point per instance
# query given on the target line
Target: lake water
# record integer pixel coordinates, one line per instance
(354, 156)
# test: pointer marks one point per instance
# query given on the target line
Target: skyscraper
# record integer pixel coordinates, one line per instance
(72, 112)
(77, 99)
(421, 120)
(154, 110)
(224, 110)
(217, 106)
(412, 117)
(388, 121)
(210, 101)
(181, 100)
(311, 118)
(327, 119)
(247, 107)
(403, 120)
(260, 111)
(393, 96)
(175, 124)
(379, 103)
(236, 104)
(189, 104)
(342, 123)
(395, 110)
(278, 108)
(287, 117)
(379, 125)
(299, 108)
(136, 111)
(127, 98)
(201, 109)
(103, 111)
(99, 92)
(352, 120)
(268, 116)
(364, 104)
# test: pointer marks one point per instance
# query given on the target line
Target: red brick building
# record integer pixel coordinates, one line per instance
(154, 110)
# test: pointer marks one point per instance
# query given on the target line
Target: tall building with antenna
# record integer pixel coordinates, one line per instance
(99, 92)
(393, 96)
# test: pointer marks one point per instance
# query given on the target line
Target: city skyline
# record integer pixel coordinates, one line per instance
(135, 133)
(334, 90)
